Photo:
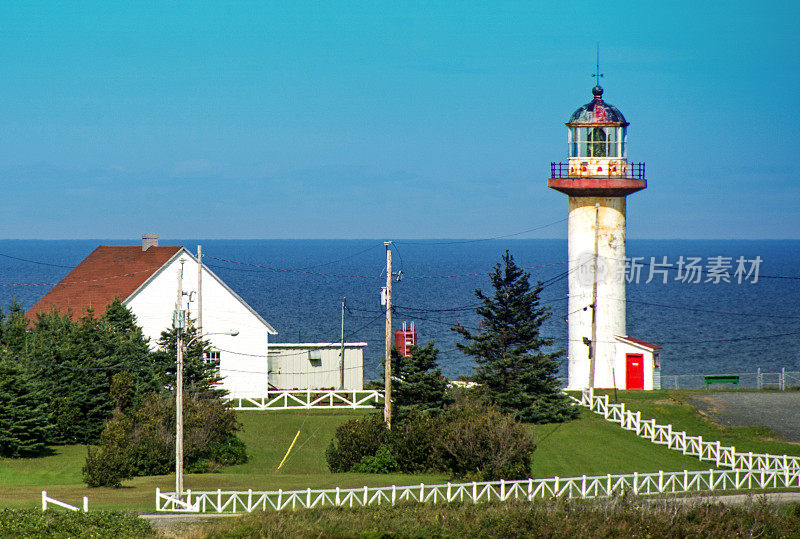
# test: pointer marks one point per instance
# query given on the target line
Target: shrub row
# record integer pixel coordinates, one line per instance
(470, 439)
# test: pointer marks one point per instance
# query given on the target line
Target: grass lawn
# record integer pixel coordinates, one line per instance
(588, 446)
(672, 406)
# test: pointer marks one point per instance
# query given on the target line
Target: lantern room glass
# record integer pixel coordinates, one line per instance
(599, 141)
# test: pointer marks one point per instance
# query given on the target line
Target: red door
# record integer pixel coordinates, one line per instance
(634, 371)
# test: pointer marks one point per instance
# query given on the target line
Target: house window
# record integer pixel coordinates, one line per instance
(315, 358)
(214, 356)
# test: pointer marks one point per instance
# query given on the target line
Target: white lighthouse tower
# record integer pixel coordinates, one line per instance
(597, 179)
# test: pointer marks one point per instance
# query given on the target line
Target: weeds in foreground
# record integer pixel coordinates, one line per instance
(619, 517)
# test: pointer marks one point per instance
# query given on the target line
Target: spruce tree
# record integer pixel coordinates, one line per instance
(417, 381)
(24, 418)
(514, 368)
(200, 374)
(76, 361)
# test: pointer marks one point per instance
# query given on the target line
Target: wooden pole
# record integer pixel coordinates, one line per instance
(341, 351)
(179, 386)
(593, 349)
(199, 290)
(387, 373)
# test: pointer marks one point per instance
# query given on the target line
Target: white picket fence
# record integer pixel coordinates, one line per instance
(714, 451)
(52, 501)
(226, 501)
(308, 399)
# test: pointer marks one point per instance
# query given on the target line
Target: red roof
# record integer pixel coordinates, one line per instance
(639, 342)
(107, 273)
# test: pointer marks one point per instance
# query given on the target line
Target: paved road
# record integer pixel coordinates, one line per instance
(779, 411)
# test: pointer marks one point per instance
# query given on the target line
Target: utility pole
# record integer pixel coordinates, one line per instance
(593, 349)
(387, 372)
(341, 351)
(179, 323)
(199, 290)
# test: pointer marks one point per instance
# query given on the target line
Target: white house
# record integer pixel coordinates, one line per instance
(145, 278)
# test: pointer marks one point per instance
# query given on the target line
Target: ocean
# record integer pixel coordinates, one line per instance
(298, 287)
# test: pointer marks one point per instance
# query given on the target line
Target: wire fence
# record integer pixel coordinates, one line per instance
(782, 381)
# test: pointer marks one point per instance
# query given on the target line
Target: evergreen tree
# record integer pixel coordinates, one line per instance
(417, 381)
(13, 328)
(200, 374)
(76, 362)
(516, 372)
(24, 418)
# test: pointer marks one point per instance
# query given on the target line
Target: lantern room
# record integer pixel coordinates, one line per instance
(597, 154)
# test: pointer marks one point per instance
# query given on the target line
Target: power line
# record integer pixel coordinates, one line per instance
(455, 242)
(36, 261)
(289, 270)
(342, 259)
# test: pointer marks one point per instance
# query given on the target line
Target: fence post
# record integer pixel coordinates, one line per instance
(421, 492)
(394, 493)
(86, 504)
(337, 496)
(158, 498)
(759, 381)
(365, 495)
(608, 484)
(308, 497)
(44, 500)
(783, 378)
(474, 492)
(636, 483)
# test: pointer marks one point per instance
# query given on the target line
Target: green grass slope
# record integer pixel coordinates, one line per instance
(588, 446)
(672, 406)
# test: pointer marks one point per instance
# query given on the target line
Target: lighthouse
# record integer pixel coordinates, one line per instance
(598, 179)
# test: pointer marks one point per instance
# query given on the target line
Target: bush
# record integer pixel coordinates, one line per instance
(354, 440)
(478, 442)
(470, 439)
(414, 440)
(382, 462)
(141, 441)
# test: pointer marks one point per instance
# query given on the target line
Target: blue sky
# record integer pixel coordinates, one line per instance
(388, 120)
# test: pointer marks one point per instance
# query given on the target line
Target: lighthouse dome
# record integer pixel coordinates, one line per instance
(597, 111)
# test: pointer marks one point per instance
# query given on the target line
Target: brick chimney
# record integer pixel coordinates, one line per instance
(149, 240)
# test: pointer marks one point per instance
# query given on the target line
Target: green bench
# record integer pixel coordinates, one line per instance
(721, 379)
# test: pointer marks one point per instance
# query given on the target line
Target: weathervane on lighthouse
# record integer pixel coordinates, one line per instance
(597, 178)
